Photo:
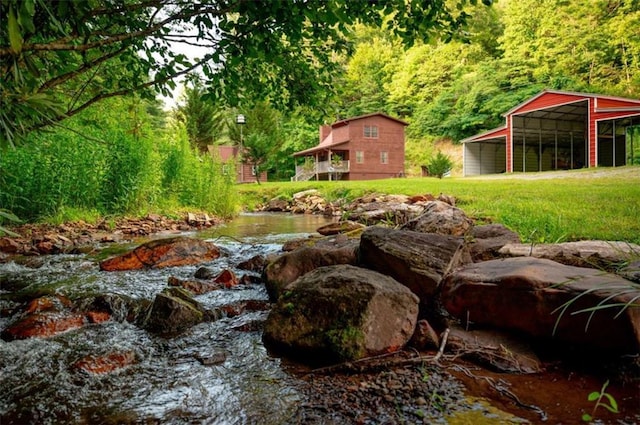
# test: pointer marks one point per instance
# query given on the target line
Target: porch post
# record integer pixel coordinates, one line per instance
(613, 129)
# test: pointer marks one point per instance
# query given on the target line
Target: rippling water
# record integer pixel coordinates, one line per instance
(166, 384)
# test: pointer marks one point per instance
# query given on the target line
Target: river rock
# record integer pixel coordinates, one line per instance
(498, 350)
(196, 287)
(440, 217)
(290, 266)
(256, 263)
(226, 278)
(424, 337)
(417, 260)
(547, 300)
(277, 205)
(607, 255)
(107, 363)
(386, 212)
(173, 311)
(170, 252)
(335, 228)
(43, 325)
(488, 239)
(339, 313)
(48, 303)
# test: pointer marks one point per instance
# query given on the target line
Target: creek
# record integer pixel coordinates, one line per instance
(166, 384)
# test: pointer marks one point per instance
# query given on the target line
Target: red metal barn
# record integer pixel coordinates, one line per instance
(556, 130)
(361, 148)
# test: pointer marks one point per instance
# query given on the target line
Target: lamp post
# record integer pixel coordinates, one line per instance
(240, 120)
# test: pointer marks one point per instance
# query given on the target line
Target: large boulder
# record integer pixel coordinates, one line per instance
(159, 253)
(340, 313)
(608, 255)
(173, 311)
(440, 217)
(548, 300)
(290, 266)
(417, 260)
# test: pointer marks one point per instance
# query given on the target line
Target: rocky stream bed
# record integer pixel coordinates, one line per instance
(218, 371)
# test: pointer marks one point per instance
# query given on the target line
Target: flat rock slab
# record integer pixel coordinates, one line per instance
(608, 255)
(548, 300)
(169, 252)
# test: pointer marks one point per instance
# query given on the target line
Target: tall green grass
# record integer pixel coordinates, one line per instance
(110, 162)
(599, 204)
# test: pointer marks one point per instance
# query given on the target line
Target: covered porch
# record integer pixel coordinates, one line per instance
(321, 163)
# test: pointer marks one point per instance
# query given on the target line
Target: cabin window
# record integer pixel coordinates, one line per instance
(359, 157)
(253, 170)
(384, 157)
(371, 131)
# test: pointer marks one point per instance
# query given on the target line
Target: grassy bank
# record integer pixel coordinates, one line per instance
(601, 203)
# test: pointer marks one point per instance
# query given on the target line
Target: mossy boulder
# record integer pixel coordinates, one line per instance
(341, 312)
(173, 311)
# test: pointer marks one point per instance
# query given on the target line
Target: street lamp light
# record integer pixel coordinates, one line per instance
(240, 120)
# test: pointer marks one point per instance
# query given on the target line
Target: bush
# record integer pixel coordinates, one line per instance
(439, 165)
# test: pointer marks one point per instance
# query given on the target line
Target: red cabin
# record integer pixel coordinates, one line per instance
(361, 148)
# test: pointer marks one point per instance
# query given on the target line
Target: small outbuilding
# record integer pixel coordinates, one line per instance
(557, 130)
(232, 163)
(360, 148)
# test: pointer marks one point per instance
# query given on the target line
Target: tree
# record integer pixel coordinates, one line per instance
(261, 137)
(59, 57)
(203, 119)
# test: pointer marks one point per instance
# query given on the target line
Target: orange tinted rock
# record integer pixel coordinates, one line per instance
(170, 252)
(226, 278)
(43, 325)
(108, 363)
(47, 303)
(98, 316)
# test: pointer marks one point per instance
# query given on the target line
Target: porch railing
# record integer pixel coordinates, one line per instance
(322, 167)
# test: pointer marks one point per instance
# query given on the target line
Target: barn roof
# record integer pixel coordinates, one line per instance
(566, 106)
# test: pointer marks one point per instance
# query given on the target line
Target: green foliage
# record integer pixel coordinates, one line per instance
(124, 168)
(608, 403)
(439, 165)
(191, 179)
(59, 57)
(203, 119)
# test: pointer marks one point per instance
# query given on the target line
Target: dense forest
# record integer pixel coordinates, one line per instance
(83, 129)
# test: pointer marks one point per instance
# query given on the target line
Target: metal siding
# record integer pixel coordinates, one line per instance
(615, 103)
(546, 100)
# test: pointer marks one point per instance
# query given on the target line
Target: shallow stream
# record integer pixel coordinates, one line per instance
(166, 384)
(169, 384)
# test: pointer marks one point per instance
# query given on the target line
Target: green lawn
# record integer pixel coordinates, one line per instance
(602, 203)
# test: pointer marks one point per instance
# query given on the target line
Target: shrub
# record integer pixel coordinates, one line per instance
(439, 165)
